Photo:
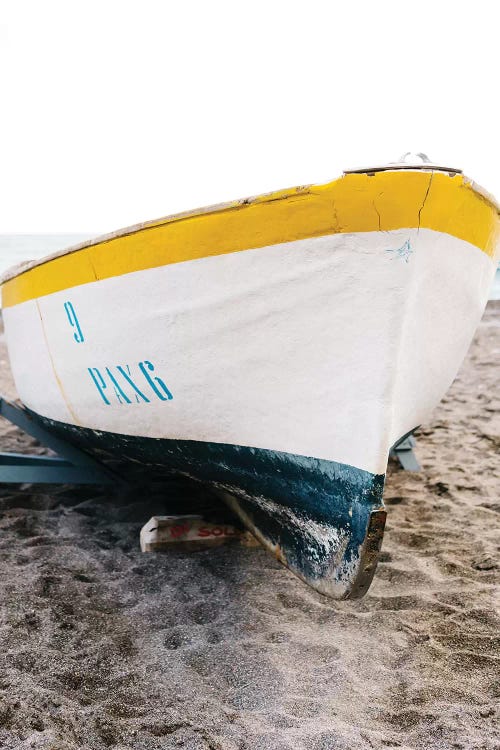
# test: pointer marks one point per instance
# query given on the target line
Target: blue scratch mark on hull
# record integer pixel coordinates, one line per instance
(403, 252)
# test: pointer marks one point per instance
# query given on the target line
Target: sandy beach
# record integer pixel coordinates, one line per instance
(224, 649)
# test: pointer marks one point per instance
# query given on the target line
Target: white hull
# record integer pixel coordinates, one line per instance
(331, 347)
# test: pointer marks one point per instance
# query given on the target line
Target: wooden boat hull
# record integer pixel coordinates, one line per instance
(274, 348)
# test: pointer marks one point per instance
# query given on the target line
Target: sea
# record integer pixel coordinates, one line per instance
(16, 248)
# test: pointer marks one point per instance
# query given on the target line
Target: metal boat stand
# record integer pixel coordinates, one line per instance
(70, 466)
(403, 452)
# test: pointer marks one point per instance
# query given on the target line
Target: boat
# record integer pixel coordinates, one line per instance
(274, 348)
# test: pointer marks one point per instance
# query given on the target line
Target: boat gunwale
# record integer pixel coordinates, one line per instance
(235, 205)
(102, 239)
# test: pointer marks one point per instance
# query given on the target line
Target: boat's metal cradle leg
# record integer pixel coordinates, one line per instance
(70, 466)
(403, 451)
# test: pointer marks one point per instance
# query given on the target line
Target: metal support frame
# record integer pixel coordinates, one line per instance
(70, 466)
(403, 451)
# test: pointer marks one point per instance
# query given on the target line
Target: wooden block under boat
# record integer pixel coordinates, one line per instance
(190, 532)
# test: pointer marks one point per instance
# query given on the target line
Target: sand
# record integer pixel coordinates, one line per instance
(103, 647)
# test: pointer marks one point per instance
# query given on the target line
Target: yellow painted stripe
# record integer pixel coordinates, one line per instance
(353, 203)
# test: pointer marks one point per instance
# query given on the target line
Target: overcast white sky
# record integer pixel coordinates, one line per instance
(114, 112)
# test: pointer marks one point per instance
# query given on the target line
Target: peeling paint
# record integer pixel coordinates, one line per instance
(317, 516)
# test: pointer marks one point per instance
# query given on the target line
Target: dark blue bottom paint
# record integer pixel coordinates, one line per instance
(323, 519)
